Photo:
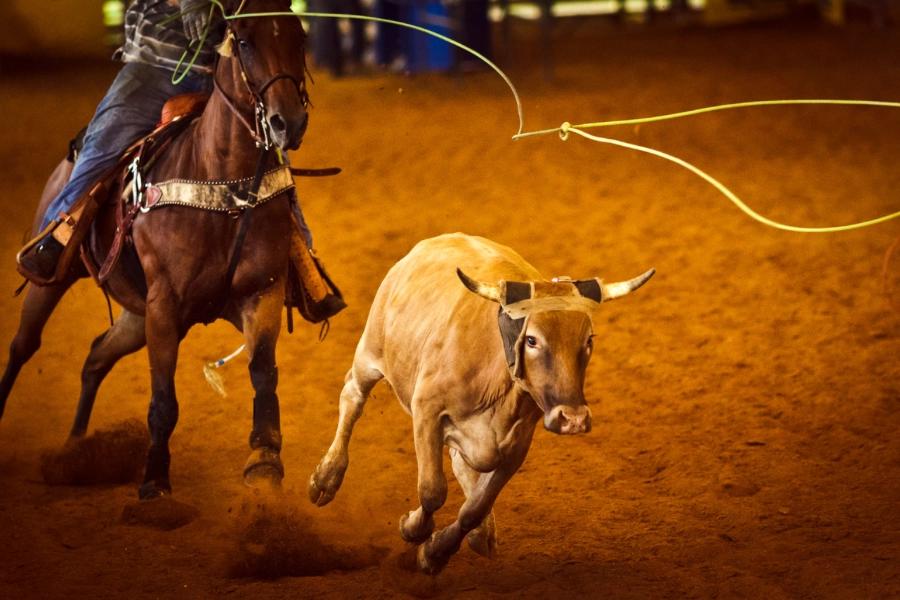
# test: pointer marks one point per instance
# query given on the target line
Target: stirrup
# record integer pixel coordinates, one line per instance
(32, 244)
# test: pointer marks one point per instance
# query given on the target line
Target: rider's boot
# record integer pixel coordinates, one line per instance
(317, 298)
(39, 265)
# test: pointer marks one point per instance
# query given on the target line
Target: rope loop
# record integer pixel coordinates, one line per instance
(564, 131)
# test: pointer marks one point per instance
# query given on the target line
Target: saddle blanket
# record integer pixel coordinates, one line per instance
(222, 196)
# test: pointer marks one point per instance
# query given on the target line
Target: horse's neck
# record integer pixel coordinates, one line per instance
(219, 147)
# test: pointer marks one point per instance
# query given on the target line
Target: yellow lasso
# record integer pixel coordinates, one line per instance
(566, 128)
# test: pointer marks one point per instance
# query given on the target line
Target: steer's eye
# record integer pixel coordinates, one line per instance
(590, 344)
(531, 341)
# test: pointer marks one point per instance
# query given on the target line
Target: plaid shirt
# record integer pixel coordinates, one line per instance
(149, 42)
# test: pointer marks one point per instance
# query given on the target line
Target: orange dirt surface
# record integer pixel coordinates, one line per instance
(746, 401)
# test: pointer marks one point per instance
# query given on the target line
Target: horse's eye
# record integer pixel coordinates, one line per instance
(243, 44)
(531, 341)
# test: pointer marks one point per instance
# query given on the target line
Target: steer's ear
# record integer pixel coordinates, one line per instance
(485, 290)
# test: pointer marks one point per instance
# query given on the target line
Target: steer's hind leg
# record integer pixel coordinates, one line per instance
(436, 552)
(416, 526)
(482, 539)
(126, 336)
(326, 480)
(36, 309)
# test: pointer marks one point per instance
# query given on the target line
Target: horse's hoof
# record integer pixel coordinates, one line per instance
(429, 566)
(151, 490)
(415, 533)
(263, 468)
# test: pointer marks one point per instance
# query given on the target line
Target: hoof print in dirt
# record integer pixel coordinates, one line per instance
(164, 514)
(112, 456)
(274, 541)
(735, 485)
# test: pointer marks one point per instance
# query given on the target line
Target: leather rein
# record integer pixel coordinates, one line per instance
(260, 134)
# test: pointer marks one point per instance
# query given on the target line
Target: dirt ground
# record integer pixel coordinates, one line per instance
(746, 401)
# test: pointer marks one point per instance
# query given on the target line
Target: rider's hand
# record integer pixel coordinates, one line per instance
(195, 22)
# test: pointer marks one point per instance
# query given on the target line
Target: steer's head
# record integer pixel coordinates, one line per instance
(548, 335)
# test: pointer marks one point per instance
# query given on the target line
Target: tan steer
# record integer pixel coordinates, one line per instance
(474, 378)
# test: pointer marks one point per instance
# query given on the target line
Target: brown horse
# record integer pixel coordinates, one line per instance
(185, 252)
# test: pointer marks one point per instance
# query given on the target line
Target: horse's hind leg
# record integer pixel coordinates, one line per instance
(36, 310)
(261, 325)
(126, 336)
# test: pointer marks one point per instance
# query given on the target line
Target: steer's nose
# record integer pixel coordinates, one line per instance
(568, 420)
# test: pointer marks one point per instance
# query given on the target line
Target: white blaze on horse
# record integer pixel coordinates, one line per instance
(472, 378)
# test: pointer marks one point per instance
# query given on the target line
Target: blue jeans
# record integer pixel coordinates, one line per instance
(130, 110)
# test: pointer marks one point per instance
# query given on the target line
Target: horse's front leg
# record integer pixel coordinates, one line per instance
(163, 337)
(261, 320)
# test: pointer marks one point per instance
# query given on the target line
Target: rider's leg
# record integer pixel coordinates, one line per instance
(130, 110)
(304, 228)
(325, 300)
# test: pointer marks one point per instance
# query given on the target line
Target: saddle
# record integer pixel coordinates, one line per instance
(309, 288)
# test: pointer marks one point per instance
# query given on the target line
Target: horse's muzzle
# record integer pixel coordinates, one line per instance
(288, 133)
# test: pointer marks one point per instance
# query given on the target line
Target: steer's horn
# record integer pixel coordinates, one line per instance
(490, 292)
(617, 290)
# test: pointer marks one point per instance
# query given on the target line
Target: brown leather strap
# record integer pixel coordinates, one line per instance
(151, 147)
(315, 172)
(123, 228)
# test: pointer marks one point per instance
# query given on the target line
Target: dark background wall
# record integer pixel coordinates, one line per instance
(71, 28)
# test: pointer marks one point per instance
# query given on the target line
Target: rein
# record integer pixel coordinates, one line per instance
(259, 131)
(252, 197)
(260, 134)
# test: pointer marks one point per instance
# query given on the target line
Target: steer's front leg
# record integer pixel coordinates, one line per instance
(416, 526)
(436, 552)
(328, 476)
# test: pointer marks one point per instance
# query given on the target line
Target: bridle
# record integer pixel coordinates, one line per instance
(260, 129)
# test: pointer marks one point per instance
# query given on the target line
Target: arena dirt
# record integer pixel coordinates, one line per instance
(746, 401)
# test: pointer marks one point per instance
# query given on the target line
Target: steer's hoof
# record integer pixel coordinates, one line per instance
(263, 468)
(429, 566)
(325, 482)
(320, 495)
(413, 529)
(483, 540)
(152, 489)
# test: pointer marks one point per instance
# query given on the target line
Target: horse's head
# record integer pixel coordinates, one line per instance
(268, 54)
